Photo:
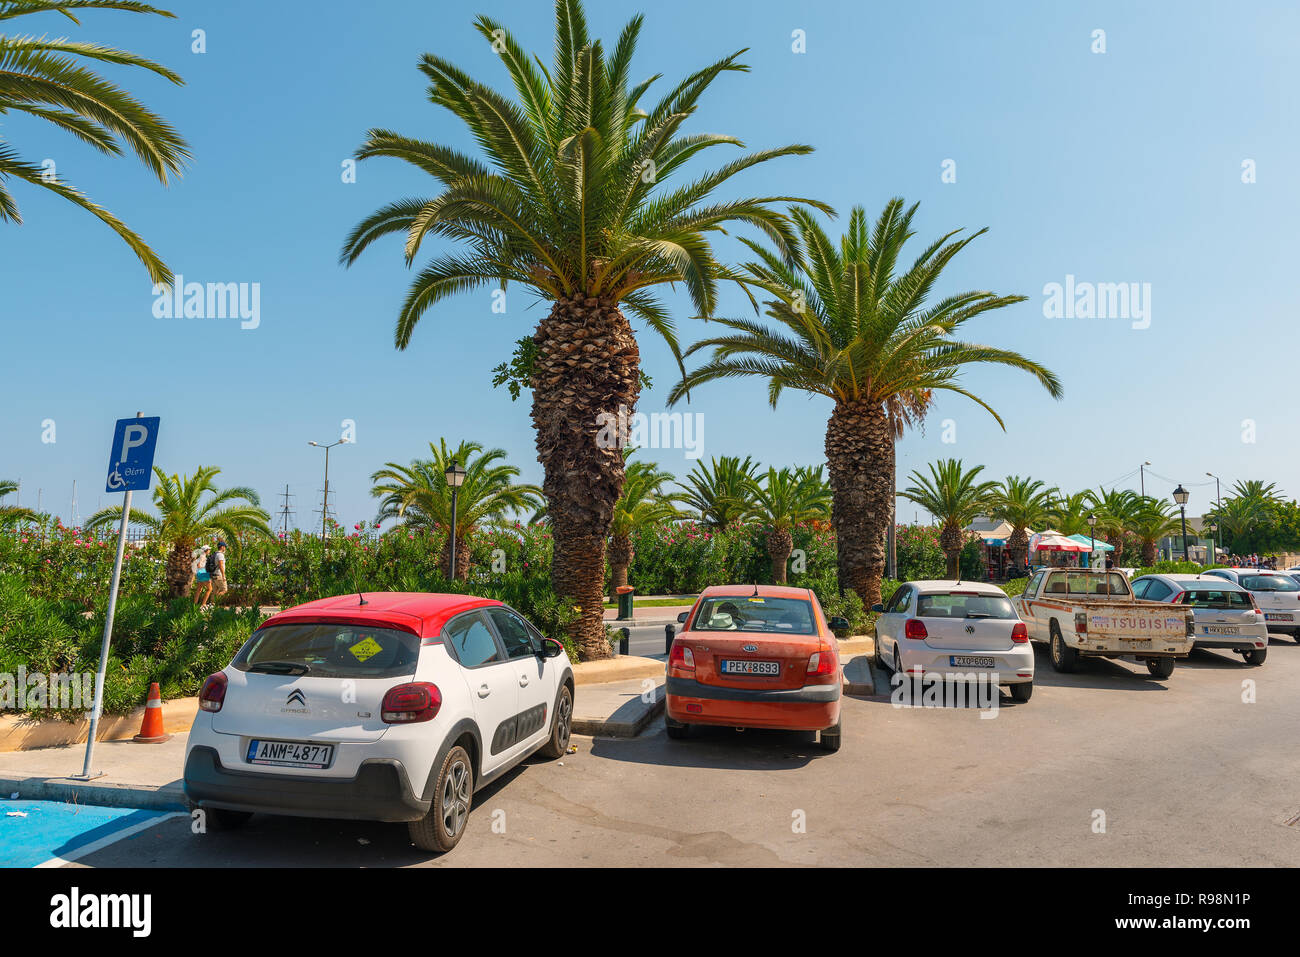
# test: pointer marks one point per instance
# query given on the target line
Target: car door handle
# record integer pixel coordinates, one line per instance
(484, 691)
(523, 681)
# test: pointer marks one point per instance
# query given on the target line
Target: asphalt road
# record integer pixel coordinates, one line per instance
(1184, 771)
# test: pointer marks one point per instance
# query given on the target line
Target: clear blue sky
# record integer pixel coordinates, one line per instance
(1116, 167)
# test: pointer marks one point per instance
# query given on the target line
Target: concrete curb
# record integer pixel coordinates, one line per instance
(21, 733)
(169, 797)
(627, 722)
(616, 669)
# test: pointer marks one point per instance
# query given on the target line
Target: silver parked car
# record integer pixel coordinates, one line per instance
(1277, 593)
(1224, 613)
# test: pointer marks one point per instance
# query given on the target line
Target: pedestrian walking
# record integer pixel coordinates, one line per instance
(219, 585)
(202, 578)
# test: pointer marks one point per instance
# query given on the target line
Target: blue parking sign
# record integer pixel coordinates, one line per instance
(130, 461)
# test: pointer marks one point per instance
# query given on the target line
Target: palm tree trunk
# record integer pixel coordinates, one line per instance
(780, 544)
(586, 368)
(860, 461)
(951, 541)
(462, 557)
(620, 557)
(180, 569)
(1018, 546)
(1148, 553)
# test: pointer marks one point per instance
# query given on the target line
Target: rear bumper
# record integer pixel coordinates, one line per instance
(380, 791)
(810, 708)
(1235, 644)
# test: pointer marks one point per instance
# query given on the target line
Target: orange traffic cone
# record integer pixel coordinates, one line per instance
(151, 729)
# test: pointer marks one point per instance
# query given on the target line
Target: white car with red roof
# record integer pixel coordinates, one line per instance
(378, 706)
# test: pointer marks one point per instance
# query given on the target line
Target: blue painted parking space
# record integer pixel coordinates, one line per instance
(34, 832)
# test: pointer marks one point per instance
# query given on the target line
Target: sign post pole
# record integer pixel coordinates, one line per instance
(86, 774)
(129, 467)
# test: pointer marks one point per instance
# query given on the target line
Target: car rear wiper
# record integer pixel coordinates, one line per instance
(978, 614)
(281, 667)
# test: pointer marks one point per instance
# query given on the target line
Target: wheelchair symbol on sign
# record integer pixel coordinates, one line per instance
(115, 480)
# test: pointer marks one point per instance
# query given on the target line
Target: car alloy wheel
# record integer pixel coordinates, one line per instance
(455, 799)
(563, 721)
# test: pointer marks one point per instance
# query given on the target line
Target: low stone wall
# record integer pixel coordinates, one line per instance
(21, 733)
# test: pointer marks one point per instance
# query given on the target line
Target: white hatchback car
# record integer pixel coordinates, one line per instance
(1277, 593)
(382, 707)
(955, 627)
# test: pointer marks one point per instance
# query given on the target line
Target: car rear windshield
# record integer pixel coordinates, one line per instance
(964, 605)
(792, 616)
(1269, 583)
(330, 651)
(1081, 583)
(1214, 598)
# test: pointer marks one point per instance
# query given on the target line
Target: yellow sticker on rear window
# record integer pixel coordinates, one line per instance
(756, 601)
(365, 649)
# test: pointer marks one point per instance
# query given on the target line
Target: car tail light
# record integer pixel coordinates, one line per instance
(213, 695)
(1019, 633)
(681, 657)
(915, 628)
(1081, 622)
(1178, 598)
(411, 703)
(821, 663)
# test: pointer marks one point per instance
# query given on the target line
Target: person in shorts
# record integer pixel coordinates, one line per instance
(219, 585)
(202, 580)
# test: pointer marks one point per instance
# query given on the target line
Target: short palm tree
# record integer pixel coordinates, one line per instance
(783, 499)
(853, 329)
(642, 504)
(573, 199)
(1114, 511)
(185, 518)
(45, 78)
(1068, 514)
(721, 492)
(418, 497)
(11, 515)
(1251, 505)
(955, 497)
(1022, 503)
(1151, 519)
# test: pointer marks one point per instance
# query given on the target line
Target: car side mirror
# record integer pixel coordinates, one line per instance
(681, 617)
(552, 648)
(838, 624)
(878, 608)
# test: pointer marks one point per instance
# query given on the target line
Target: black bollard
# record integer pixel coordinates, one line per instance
(670, 632)
(623, 642)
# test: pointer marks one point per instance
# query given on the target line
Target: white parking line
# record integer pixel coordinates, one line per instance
(107, 840)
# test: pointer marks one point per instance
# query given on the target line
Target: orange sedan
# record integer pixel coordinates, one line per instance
(755, 656)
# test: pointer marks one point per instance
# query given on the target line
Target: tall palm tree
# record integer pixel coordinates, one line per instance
(955, 498)
(184, 518)
(782, 500)
(1250, 506)
(643, 503)
(572, 200)
(1114, 511)
(13, 514)
(721, 492)
(853, 330)
(1022, 503)
(46, 78)
(1151, 519)
(417, 495)
(1068, 514)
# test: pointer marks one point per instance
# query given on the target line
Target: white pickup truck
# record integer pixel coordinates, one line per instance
(1092, 613)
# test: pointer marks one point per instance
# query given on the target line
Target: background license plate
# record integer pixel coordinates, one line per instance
(767, 669)
(1222, 630)
(970, 661)
(1277, 616)
(290, 754)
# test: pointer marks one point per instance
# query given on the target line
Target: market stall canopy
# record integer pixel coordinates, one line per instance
(1051, 540)
(994, 534)
(1096, 544)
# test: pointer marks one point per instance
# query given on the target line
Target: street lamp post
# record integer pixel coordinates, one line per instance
(325, 505)
(1180, 496)
(1214, 537)
(455, 478)
(1092, 536)
(1142, 477)
(1218, 507)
